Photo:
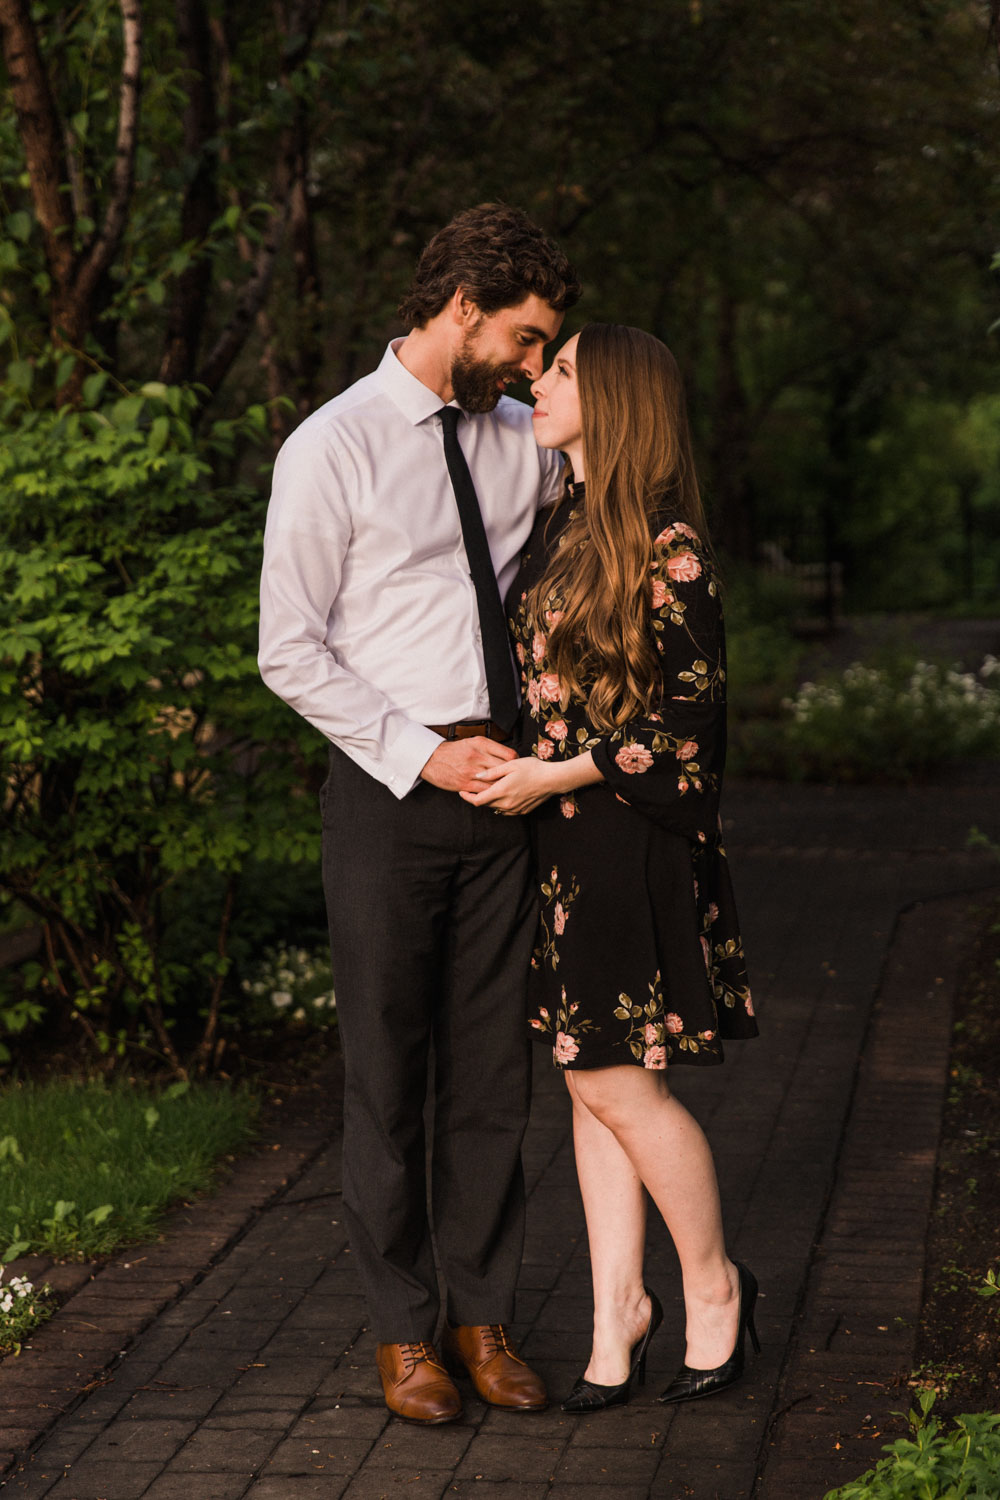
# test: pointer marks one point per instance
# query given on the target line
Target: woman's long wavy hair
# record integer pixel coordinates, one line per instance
(639, 465)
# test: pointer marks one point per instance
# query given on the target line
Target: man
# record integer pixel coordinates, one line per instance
(397, 515)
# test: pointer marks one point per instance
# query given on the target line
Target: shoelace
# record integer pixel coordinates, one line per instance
(412, 1354)
(497, 1333)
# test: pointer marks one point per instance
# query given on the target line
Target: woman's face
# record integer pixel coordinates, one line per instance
(556, 418)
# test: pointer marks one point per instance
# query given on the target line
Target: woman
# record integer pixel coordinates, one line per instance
(618, 627)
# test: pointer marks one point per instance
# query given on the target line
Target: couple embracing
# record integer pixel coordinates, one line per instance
(506, 621)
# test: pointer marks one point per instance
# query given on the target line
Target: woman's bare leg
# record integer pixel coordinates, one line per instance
(614, 1201)
(669, 1154)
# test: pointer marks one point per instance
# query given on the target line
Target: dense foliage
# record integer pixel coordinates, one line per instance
(801, 199)
(147, 765)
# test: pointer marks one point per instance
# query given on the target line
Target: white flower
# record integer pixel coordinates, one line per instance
(280, 999)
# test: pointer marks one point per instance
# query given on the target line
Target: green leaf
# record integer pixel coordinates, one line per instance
(18, 225)
(10, 1150)
(159, 434)
(98, 1215)
(21, 374)
(93, 386)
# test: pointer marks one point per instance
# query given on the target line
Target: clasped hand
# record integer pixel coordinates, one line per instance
(516, 786)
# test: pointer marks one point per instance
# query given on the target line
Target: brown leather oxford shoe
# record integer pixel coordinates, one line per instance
(499, 1376)
(416, 1384)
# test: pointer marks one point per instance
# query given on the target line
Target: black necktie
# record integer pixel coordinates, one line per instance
(492, 621)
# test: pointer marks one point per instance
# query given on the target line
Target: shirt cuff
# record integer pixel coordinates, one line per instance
(404, 760)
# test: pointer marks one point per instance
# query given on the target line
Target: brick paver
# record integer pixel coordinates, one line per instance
(248, 1369)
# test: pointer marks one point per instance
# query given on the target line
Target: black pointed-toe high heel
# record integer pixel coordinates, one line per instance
(586, 1395)
(690, 1385)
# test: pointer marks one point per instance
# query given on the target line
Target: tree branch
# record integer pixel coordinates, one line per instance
(201, 200)
(104, 247)
(42, 136)
(302, 18)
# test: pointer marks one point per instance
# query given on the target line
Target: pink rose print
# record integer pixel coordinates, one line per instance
(748, 1003)
(519, 652)
(534, 693)
(661, 594)
(574, 1007)
(565, 1048)
(654, 1057)
(555, 875)
(707, 952)
(677, 529)
(536, 1024)
(544, 749)
(682, 785)
(543, 1013)
(552, 617)
(559, 918)
(673, 1023)
(688, 750)
(549, 687)
(684, 568)
(706, 1036)
(538, 647)
(633, 757)
(567, 806)
(557, 729)
(713, 912)
(650, 1033)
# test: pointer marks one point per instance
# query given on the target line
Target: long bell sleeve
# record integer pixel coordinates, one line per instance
(668, 764)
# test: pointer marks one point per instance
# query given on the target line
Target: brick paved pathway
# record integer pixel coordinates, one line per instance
(258, 1378)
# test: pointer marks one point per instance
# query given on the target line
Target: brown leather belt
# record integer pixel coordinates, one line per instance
(467, 728)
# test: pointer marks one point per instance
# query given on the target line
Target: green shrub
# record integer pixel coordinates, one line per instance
(292, 987)
(961, 1463)
(148, 771)
(892, 722)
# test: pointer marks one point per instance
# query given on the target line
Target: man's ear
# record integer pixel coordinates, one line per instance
(464, 311)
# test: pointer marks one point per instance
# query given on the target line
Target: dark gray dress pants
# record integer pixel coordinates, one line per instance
(432, 920)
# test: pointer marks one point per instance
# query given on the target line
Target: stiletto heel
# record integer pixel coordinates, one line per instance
(690, 1385)
(586, 1395)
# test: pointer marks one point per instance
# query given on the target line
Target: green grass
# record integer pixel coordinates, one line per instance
(88, 1166)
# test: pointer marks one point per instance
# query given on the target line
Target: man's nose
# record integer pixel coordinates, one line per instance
(531, 364)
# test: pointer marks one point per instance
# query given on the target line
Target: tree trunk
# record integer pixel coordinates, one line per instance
(201, 200)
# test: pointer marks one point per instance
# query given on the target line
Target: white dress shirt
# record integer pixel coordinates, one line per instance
(369, 626)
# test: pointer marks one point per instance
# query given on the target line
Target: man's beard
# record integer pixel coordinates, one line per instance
(476, 382)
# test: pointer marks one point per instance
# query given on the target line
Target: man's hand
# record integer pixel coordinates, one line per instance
(455, 764)
(518, 786)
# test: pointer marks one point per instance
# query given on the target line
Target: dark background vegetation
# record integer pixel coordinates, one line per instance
(209, 212)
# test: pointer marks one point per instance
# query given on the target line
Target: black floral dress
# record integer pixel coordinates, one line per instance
(638, 957)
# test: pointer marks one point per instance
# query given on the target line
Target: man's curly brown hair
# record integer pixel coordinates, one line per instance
(498, 256)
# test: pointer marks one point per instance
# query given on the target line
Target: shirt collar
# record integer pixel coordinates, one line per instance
(415, 400)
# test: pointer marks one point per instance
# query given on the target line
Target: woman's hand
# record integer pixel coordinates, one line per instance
(517, 786)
